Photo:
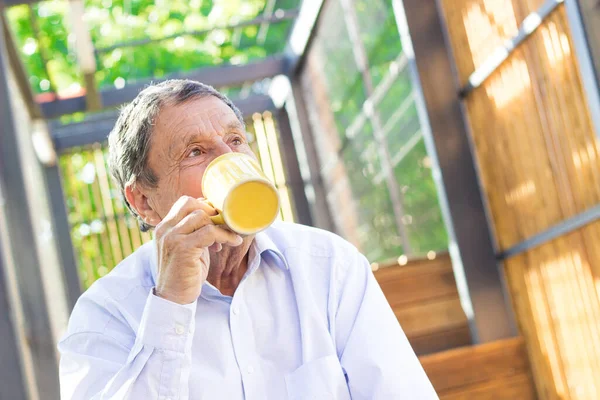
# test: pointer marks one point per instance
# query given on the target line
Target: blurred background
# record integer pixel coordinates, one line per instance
(455, 143)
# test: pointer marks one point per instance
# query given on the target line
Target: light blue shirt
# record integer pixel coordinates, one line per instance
(308, 321)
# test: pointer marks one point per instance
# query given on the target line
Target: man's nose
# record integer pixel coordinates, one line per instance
(222, 148)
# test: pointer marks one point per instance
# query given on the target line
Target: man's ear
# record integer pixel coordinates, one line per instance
(138, 200)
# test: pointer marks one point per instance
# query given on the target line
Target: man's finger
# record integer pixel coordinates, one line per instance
(192, 222)
(184, 206)
(210, 234)
(217, 247)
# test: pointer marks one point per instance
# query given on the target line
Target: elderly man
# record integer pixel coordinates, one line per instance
(202, 313)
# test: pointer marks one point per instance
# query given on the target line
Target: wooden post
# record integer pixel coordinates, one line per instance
(21, 243)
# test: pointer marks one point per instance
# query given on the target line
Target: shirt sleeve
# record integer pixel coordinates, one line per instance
(98, 364)
(374, 352)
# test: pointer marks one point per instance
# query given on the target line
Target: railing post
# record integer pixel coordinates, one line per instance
(21, 244)
(477, 272)
(292, 167)
(12, 382)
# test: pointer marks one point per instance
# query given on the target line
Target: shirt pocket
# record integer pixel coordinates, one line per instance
(320, 379)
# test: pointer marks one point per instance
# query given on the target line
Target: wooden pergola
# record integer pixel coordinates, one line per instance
(427, 46)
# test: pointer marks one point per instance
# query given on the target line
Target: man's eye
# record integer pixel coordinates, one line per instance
(236, 141)
(195, 153)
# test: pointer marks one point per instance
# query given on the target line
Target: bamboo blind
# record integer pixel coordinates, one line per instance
(539, 162)
(102, 230)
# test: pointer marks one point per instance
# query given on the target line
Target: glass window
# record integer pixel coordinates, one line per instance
(334, 52)
(377, 228)
(379, 35)
(423, 217)
(357, 107)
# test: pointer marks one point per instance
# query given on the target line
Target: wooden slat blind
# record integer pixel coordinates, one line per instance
(539, 161)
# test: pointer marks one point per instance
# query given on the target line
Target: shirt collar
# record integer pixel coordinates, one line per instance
(264, 244)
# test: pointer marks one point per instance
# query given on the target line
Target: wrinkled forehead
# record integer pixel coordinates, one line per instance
(205, 111)
(205, 116)
(193, 120)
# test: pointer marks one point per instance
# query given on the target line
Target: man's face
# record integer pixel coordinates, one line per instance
(185, 139)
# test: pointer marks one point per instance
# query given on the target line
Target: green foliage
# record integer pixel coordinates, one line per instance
(377, 230)
(426, 229)
(400, 126)
(114, 22)
(379, 34)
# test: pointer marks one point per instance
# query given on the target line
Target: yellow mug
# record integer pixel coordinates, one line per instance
(247, 202)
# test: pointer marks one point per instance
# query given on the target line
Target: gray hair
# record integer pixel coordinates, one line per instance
(129, 141)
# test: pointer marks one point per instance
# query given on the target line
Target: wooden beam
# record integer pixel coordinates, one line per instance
(260, 20)
(84, 48)
(12, 381)
(220, 76)
(9, 3)
(584, 26)
(303, 32)
(93, 99)
(96, 128)
(292, 168)
(322, 217)
(22, 243)
(18, 70)
(590, 14)
(62, 230)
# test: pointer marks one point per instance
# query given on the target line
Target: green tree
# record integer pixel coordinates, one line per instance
(42, 31)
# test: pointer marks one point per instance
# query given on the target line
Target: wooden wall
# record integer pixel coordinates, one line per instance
(539, 160)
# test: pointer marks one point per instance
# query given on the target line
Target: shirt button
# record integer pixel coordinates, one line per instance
(179, 330)
(236, 310)
(250, 370)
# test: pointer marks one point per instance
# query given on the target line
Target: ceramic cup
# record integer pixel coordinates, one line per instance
(246, 201)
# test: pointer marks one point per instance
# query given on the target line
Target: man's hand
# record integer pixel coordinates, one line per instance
(183, 238)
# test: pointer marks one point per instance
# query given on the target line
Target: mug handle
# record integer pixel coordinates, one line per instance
(218, 219)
